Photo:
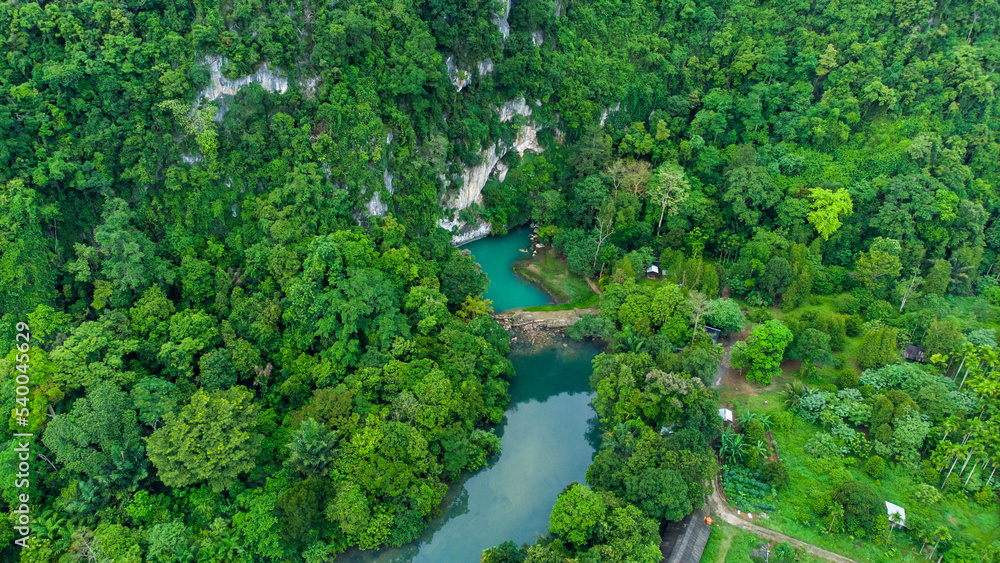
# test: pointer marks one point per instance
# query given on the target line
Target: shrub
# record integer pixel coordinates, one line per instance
(761, 315)
(847, 304)
(853, 325)
(986, 497)
(783, 553)
(927, 494)
(775, 474)
(782, 421)
(840, 475)
(754, 431)
(862, 505)
(880, 311)
(931, 475)
(823, 445)
(848, 379)
(875, 467)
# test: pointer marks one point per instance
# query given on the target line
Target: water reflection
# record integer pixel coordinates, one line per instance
(549, 436)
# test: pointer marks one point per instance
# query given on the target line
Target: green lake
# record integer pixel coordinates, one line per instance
(496, 255)
(549, 436)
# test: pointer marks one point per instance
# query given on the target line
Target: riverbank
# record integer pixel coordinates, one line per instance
(549, 272)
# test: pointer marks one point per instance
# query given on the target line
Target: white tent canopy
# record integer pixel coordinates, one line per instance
(726, 414)
(897, 514)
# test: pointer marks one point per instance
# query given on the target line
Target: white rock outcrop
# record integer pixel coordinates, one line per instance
(466, 233)
(608, 111)
(475, 178)
(461, 77)
(501, 20)
(219, 85)
(516, 107)
(375, 206)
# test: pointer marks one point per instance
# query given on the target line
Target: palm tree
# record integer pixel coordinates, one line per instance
(746, 416)
(793, 393)
(941, 533)
(951, 424)
(760, 448)
(631, 340)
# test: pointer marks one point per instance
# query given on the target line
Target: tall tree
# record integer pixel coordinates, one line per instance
(829, 207)
(668, 189)
(765, 350)
(605, 226)
(212, 439)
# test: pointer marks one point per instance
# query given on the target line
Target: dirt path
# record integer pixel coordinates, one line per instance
(721, 509)
(593, 286)
(724, 366)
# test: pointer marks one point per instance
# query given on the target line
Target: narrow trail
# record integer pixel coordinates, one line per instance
(724, 365)
(721, 508)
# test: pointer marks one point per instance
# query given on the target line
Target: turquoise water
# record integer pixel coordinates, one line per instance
(496, 255)
(549, 438)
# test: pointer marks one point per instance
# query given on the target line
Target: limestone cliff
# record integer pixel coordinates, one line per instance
(462, 191)
(473, 179)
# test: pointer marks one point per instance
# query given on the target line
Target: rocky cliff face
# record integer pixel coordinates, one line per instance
(501, 20)
(463, 191)
(475, 178)
(220, 86)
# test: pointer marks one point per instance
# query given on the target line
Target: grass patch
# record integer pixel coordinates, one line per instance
(547, 285)
(729, 544)
(586, 303)
(552, 275)
(719, 542)
(810, 479)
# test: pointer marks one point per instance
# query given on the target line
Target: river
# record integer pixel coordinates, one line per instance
(549, 436)
(496, 255)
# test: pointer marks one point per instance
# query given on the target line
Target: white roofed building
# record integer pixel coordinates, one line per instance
(897, 514)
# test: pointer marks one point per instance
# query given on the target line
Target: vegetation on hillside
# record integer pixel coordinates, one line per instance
(231, 361)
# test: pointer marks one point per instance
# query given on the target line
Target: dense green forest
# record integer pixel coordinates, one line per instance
(230, 360)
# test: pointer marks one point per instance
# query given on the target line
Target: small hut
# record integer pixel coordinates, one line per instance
(897, 515)
(726, 415)
(653, 271)
(714, 333)
(913, 353)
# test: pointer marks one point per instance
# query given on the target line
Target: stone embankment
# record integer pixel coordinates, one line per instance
(536, 327)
